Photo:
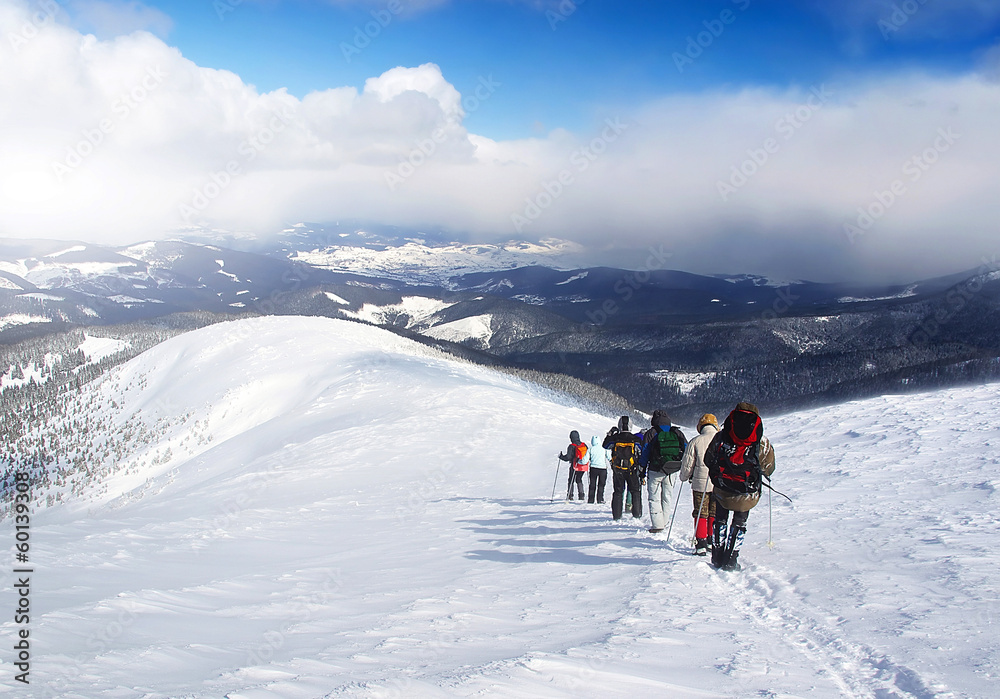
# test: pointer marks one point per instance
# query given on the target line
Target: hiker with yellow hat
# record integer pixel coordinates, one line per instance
(693, 469)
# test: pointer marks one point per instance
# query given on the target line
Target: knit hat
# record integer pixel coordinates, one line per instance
(707, 419)
(623, 423)
(574, 437)
(660, 419)
(749, 407)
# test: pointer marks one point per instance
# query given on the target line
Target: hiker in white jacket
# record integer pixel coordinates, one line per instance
(693, 469)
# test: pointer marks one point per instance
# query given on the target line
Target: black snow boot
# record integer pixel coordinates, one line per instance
(719, 553)
(736, 533)
(701, 547)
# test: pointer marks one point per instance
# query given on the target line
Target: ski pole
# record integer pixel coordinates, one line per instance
(679, 491)
(555, 483)
(770, 541)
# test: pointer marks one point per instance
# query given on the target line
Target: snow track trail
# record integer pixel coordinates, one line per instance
(772, 605)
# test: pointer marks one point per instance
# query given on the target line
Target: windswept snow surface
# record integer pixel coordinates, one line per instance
(373, 519)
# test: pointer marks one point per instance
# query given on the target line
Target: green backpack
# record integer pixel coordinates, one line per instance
(666, 448)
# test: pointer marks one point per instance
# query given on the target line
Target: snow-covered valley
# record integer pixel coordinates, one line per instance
(333, 510)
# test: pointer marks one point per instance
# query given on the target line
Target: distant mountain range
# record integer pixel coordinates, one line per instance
(659, 337)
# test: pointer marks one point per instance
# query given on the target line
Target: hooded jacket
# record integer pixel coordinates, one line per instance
(693, 466)
(570, 455)
(599, 457)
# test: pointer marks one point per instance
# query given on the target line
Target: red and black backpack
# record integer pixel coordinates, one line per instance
(735, 454)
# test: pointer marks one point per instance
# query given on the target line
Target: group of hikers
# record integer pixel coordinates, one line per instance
(726, 466)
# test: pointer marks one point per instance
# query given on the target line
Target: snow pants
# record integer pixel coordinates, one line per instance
(703, 513)
(726, 544)
(623, 480)
(574, 477)
(598, 479)
(660, 488)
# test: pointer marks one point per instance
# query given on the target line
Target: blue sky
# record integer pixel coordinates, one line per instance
(801, 139)
(563, 64)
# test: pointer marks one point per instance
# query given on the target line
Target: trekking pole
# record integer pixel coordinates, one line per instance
(770, 541)
(555, 483)
(679, 491)
(701, 508)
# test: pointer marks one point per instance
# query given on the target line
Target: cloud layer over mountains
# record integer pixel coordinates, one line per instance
(122, 139)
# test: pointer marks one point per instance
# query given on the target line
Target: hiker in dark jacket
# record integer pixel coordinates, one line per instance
(626, 472)
(572, 455)
(662, 447)
(737, 458)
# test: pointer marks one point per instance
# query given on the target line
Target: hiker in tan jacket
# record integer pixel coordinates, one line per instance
(693, 469)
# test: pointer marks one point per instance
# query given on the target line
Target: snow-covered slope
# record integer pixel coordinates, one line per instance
(345, 513)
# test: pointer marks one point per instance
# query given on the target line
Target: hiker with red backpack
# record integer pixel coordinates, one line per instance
(662, 447)
(626, 471)
(579, 461)
(693, 469)
(738, 459)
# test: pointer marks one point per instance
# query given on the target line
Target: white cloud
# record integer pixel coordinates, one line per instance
(113, 140)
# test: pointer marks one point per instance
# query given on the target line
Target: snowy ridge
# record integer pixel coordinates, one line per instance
(478, 328)
(416, 262)
(905, 293)
(315, 524)
(13, 319)
(686, 381)
(417, 310)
